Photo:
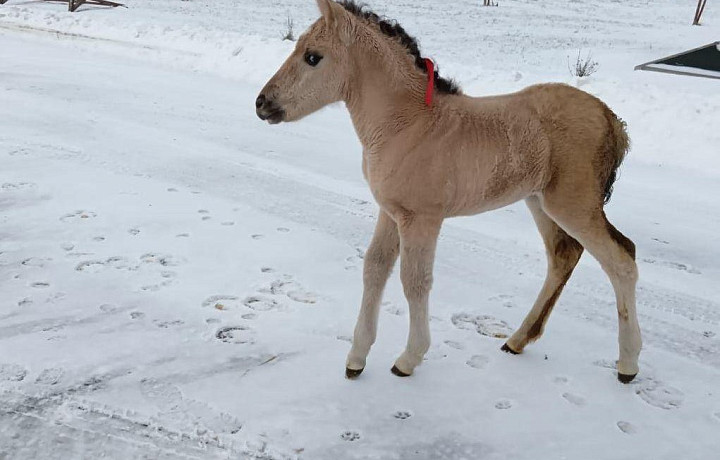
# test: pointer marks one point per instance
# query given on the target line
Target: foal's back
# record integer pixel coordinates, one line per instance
(500, 149)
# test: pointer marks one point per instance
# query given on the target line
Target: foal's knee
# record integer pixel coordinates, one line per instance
(379, 260)
(565, 254)
(416, 277)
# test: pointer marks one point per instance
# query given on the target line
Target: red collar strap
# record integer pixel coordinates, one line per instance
(431, 81)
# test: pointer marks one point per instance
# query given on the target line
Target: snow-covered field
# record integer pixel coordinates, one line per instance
(180, 280)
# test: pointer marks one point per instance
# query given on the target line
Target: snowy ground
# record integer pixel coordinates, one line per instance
(180, 280)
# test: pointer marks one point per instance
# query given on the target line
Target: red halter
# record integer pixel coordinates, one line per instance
(431, 81)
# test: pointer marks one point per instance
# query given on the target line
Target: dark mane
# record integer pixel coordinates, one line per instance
(393, 29)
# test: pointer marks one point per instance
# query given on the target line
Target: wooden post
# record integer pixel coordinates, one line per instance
(699, 11)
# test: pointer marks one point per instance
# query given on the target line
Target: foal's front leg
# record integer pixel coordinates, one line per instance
(418, 239)
(379, 261)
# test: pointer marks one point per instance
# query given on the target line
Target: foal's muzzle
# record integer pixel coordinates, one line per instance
(269, 110)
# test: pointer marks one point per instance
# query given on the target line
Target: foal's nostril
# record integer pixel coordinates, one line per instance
(260, 101)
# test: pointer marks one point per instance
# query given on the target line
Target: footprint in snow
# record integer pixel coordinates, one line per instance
(35, 262)
(136, 315)
(13, 186)
(40, 285)
(267, 270)
(674, 265)
(227, 223)
(236, 334)
(93, 266)
(134, 231)
(650, 390)
(169, 323)
(50, 376)
(605, 363)
(12, 373)
(574, 399)
(221, 302)
(483, 324)
(626, 427)
(291, 289)
(165, 260)
(283, 229)
(350, 436)
(108, 308)
(561, 380)
(78, 216)
(26, 302)
(259, 303)
(164, 395)
(478, 361)
(455, 345)
(658, 394)
(302, 296)
(402, 415)
(393, 309)
(503, 404)
(354, 261)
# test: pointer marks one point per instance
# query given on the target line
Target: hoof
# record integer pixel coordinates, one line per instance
(398, 372)
(352, 373)
(507, 349)
(626, 378)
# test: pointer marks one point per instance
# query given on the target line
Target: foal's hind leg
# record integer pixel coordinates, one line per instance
(616, 255)
(563, 253)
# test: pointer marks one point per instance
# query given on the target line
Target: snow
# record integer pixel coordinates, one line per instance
(180, 280)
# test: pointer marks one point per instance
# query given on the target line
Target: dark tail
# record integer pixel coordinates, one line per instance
(618, 146)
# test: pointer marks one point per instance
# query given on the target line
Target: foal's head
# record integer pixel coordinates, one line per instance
(315, 74)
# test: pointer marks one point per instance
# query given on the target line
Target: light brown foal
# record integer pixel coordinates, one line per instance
(554, 146)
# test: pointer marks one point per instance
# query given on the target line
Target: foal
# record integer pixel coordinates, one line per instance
(430, 152)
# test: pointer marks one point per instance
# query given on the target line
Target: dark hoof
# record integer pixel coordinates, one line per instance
(507, 349)
(626, 378)
(398, 372)
(352, 373)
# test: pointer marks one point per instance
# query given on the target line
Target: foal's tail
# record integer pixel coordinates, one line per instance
(618, 145)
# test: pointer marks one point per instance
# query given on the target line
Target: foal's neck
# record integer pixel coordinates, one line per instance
(385, 96)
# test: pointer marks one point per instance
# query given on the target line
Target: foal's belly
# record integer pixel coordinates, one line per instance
(496, 182)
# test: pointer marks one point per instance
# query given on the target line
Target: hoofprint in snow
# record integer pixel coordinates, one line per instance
(180, 281)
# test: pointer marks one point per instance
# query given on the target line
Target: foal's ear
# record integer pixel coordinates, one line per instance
(336, 17)
(327, 10)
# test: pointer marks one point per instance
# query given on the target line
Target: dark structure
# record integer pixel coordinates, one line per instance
(74, 4)
(698, 62)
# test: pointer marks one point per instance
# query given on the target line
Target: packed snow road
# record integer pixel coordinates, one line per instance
(180, 280)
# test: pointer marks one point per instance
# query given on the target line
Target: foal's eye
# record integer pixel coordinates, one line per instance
(312, 59)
